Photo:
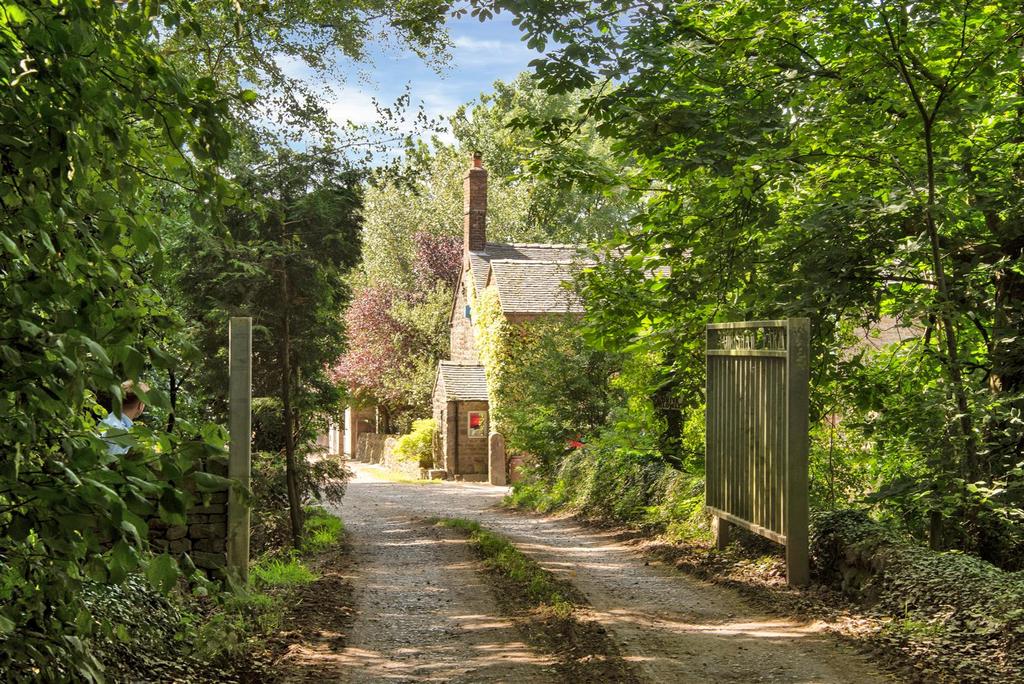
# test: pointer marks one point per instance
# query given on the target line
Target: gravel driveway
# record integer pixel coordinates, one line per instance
(423, 613)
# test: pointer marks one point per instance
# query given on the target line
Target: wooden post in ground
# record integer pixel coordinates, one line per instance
(721, 530)
(240, 428)
(797, 446)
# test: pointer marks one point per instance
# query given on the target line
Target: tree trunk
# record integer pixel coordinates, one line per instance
(969, 447)
(172, 392)
(291, 472)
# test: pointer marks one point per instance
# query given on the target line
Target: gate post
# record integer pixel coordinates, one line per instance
(797, 446)
(721, 530)
(496, 459)
(240, 431)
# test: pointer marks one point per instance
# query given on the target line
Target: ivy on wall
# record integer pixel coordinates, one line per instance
(493, 334)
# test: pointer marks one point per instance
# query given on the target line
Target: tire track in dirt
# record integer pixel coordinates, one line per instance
(424, 610)
(671, 627)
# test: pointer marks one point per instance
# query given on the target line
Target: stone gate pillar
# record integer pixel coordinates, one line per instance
(496, 460)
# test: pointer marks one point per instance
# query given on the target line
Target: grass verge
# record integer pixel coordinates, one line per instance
(314, 594)
(543, 589)
(255, 624)
(277, 572)
(548, 611)
(322, 530)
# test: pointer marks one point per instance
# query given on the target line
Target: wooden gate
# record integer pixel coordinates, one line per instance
(756, 442)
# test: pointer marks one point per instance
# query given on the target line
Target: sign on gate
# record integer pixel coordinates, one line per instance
(756, 441)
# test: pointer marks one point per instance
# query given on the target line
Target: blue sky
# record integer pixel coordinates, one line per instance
(483, 52)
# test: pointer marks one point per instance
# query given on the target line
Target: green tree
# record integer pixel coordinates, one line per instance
(426, 194)
(282, 263)
(845, 161)
(90, 113)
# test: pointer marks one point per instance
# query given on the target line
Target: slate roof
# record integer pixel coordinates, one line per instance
(534, 286)
(518, 251)
(462, 382)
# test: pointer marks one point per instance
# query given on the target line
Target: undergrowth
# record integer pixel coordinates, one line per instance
(321, 530)
(971, 612)
(202, 635)
(501, 556)
(622, 487)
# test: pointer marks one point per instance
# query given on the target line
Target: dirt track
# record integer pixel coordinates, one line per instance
(423, 612)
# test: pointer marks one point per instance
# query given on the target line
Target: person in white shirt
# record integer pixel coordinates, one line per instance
(132, 407)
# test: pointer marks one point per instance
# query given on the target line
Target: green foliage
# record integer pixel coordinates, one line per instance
(91, 112)
(116, 127)
(523, 206)
(621, 485)
(418, 445)
(967, 607)
(503, 557)
(140, 632)
(319, 480)
(496, 343)
(234, 625)
(296, 55)
(321, 530)
(548, 388)
(282, 263)
(778, 181)
(276, 572)
(143, 635)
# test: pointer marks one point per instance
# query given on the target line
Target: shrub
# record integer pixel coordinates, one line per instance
(621, 485)
(966, 605)
(320, 480)
(418, 445)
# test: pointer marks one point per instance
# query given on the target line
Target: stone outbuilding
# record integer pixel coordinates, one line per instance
(460, 409)
(531, 280)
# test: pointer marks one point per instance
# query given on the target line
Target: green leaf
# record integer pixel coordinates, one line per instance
(10, 246)
(162, 573)
(209, 482)
(99, 352)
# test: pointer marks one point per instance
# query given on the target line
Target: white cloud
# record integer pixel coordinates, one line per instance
(476, 51)
(292, 66)
(349, 104)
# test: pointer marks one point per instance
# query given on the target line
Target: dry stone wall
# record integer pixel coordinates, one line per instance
(380, 449)
(204, 536)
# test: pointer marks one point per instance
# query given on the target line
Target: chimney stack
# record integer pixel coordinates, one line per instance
(474, 227)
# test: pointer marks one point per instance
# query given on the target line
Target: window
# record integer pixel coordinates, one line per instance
(476, 425)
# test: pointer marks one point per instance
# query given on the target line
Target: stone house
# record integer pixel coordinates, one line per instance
(530, 282)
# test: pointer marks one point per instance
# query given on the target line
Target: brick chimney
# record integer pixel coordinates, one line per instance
(474, 227)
